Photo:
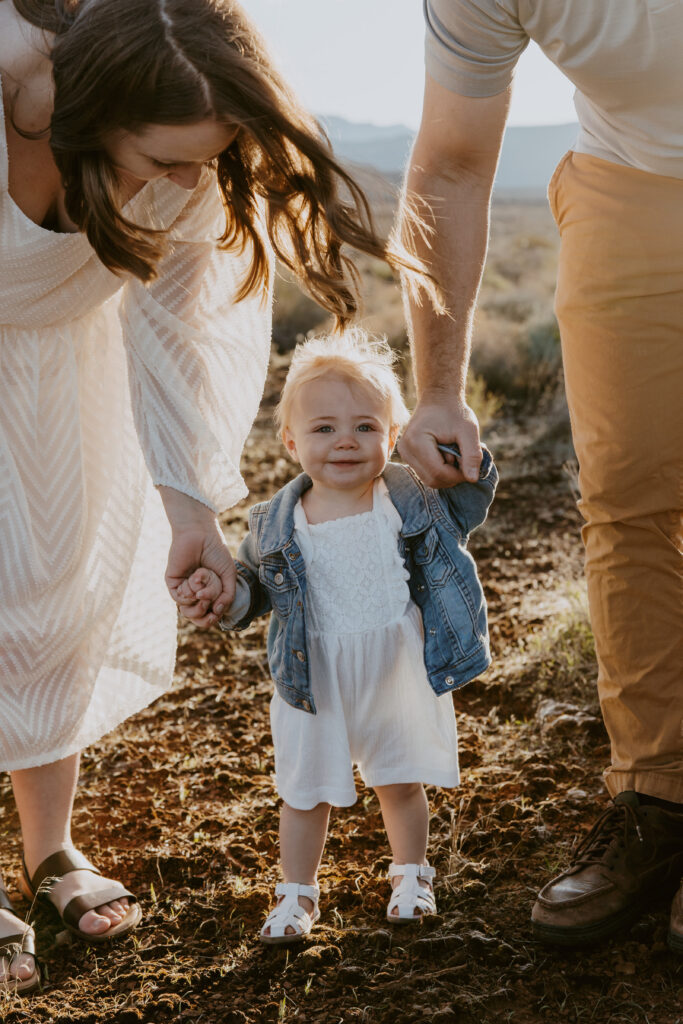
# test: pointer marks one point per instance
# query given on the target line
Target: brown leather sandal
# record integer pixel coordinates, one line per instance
(61, 863)
(13, 945)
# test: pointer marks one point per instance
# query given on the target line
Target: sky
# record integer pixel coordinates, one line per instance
(364, 60)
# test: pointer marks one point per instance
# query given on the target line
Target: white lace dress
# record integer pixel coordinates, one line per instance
(94, 370)
(375, 706)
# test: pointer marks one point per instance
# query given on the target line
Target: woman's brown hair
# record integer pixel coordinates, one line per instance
(122, 64)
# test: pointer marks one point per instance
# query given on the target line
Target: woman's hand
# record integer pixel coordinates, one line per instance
(198, 543)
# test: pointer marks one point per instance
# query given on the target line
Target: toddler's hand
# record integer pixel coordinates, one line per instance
(202, 585)
(199, 591)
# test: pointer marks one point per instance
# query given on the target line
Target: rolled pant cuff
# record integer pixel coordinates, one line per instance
(664, 786)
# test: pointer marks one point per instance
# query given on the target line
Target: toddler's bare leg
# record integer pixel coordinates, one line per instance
(405, 811)
(302, 841)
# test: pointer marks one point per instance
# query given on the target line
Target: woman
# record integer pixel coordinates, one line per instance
(134, 319)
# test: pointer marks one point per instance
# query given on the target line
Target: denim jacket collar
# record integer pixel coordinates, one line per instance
(409, 497)
(278, 524)
(405, 490)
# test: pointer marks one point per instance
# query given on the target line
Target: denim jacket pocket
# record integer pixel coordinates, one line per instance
(280, 586)
(432, 560)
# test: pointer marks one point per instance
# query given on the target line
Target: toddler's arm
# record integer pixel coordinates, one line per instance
(252, 598)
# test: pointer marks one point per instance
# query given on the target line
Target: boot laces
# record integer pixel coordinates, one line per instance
(619, 821)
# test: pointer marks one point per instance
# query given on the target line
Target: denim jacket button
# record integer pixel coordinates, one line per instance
(449, 680)
(300, 655)
(420, 587)
(293, 554)
(432, 632)
(278, 578)
(306, 705)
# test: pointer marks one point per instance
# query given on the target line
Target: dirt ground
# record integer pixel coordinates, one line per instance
(180, 804)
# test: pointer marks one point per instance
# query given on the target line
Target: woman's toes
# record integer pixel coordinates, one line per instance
(22, 967)
(108, 911)
(94, 923)
(97, 921)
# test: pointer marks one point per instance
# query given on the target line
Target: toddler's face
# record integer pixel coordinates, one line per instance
(339, 432)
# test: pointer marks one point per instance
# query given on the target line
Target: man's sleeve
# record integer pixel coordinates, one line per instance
(472, 46)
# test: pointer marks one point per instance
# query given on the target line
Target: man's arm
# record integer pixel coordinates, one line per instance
(450, 178)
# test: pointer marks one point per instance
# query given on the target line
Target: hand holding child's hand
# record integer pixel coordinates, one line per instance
(202, 586)
(198, 551)
(197, 593)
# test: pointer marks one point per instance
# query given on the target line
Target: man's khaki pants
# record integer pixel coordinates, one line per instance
(620, 308)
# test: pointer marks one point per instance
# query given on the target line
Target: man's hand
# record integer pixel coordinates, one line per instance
(442, 420)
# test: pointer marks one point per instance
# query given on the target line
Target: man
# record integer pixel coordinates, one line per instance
(618, 202)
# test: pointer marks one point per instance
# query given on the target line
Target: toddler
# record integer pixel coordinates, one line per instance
(377, 614)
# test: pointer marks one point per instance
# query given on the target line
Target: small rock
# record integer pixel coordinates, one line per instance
(577, 796)
(319, 955)
(380, 938)
(63, 938)
(558, 718)
(549, 709)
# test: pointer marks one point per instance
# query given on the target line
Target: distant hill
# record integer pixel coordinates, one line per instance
(527, 162)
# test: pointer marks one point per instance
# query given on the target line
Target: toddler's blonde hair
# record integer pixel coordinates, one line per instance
(355, 355)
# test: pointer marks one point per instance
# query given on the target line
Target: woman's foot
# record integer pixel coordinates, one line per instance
(67, 880)
(21, 967)
(82, 883)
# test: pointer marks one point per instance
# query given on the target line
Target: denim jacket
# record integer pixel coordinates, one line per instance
(432, 542)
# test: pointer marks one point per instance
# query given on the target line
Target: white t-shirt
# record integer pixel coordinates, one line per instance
(625, 58)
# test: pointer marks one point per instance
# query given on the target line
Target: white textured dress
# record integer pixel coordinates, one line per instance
(96, 369)
(375, 706)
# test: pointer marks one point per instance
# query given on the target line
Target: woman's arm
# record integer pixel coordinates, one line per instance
(197, 364)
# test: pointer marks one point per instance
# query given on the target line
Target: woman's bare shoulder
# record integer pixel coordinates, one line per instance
(24, 60)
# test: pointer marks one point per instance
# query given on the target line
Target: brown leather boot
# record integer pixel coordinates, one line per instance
(676, 923)
(631, 858)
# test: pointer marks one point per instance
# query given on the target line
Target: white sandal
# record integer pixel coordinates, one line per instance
(409, 895)
(289, 913)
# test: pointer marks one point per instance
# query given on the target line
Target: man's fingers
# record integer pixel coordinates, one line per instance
(471, 461)
(429, 463)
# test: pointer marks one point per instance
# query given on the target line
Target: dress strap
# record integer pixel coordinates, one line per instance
(303, 534)
(382, 502)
